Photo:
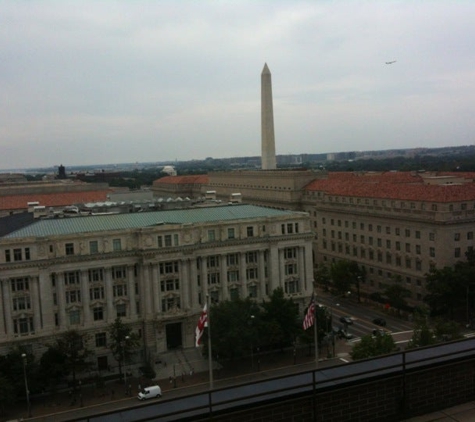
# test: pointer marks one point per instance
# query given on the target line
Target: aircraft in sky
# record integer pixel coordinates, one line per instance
(394, 61)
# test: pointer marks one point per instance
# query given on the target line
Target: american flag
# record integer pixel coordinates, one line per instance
(309, 319)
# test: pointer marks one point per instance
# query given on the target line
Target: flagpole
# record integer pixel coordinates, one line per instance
(315, 335)
(210, 355)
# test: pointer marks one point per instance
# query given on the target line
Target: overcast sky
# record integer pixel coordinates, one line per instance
(89, 82)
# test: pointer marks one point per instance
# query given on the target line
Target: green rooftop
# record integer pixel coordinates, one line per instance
(98, 223)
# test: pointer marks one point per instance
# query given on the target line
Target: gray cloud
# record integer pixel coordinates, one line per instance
(93, 82)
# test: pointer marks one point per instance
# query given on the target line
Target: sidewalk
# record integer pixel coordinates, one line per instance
(90, 395)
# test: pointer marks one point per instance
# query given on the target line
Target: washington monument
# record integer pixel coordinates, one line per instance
(267, 122)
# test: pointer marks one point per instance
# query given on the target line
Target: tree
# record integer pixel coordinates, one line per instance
(322, 276)
(446, 330)
(71, 345)
(122, 342)
(422, 335)
(7, 394)
(53, 367)
(397, 295)
(341, 276)
(231, 333)
(372, 346)
(281, 313)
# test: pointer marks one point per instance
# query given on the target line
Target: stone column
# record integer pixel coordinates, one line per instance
(35, 304)
(308, 267)
(146, 291)
(204, 281)
(224, 277)
(273, 268)
(301, 269)
(46, 298)
(86, 298)
(61, 300)
(111, 315)
(243, 274)
(131, 292)
(194, 284)
(185, 284)
(281, 268)
(7, 302)
(262, 275)
(156, 303)
(3, 305)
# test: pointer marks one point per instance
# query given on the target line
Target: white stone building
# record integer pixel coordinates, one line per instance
(152, 269)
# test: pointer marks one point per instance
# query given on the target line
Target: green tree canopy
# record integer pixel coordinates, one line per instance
(397, 295)
(372, 346)
(422, 335)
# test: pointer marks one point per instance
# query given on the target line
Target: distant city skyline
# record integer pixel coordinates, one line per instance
(145, 81)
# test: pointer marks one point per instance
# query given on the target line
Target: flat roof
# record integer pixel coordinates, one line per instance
(100, 223)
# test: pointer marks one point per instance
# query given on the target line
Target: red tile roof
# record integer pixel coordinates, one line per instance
(394, 185)
(198, 179)
(14, 202)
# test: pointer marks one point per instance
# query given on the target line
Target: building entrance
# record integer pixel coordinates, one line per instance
(174, 340)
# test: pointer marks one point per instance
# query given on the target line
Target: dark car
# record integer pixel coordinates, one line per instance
(380, 321)
(346, 320)
(379, 332)
(345, 334)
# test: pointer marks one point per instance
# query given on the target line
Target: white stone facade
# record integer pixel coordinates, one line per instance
(155, 278)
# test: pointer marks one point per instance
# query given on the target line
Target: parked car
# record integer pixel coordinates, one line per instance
(154, 391)
(378, 332)
(346, 320)
(380, 321)
(345, 334)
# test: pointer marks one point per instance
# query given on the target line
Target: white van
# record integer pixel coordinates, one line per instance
(154, 391)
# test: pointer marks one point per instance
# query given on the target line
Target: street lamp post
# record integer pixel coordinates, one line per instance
(123, 358)
(23, 356)
(252, 343)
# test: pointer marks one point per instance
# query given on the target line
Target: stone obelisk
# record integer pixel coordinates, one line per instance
(267, 122)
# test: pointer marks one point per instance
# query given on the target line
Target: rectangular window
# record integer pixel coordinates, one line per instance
(116, 245)
(291, 286)
(96, 293)
(95, 275)
(21, 303)
(160, 241)
(290, 253)
(120, 290)
(8, 257)
(233, 276)
(232, 259)
(73, 296)
(251, 257)
(418, 234)
(388, 244)
(20, 284)
(469, 235)
(418, 249)
(432, 252)
(71, 278)
(121, 310)
(407, 233)
(211, 235)
(398, 231)
(290, 228)
(93, 246)
(250, 231)
(251, 274)
(69, 248)
(432, 236)
(74, 317)
(457, 253)
(175, 240)
(27, 254)
(98, 313)
(231, 234)
(456, 237)
(408, 247)
(23, 326)
(290, 269)
(168, 240)
(17, 254)
(101, 340)
(119, 273)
